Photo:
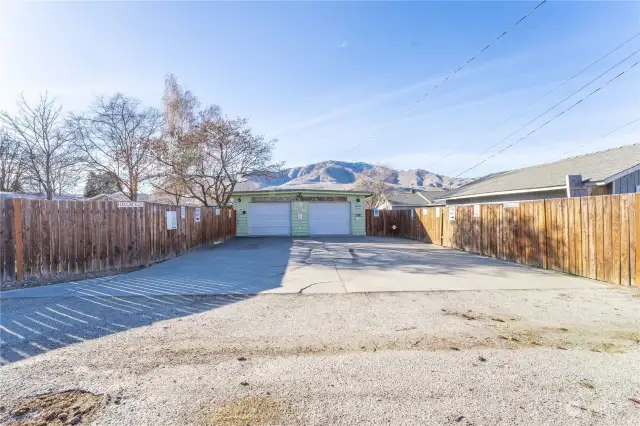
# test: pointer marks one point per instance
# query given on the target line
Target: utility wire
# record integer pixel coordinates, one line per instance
(550, 120)
(539, 99)
(410, 107)
(600, 137)
(553, 107)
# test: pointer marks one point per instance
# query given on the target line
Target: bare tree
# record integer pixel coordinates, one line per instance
(11, 163)
(169, 186)
(206, 154)
(179, 122)
(48, 155)
(116, 137)
(378, 187)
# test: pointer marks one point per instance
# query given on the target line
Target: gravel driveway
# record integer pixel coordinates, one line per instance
(453, 357)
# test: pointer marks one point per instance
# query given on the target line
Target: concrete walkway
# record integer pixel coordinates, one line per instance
(36, 320)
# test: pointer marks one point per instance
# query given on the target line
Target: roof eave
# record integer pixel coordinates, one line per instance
(321, 191)
(514, 191)
(622, 173)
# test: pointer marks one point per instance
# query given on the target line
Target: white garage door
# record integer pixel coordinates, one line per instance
(269, 219)
(330, 218)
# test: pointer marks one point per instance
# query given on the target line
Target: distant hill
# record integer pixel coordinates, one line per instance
(348, 175)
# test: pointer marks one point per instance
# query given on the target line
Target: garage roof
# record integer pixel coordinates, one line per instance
(297, 190)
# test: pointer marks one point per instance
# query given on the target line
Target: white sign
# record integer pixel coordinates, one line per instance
(217, 212)
(134, 204)
(394, 227)
(452, 213)
(424, 212)
(411, 212)
(183, 212)
(476, 210)
(437, 211)
(376, 212)
(358, 217)
(511, 205)
(299, 216)
(230, 213)
(197, 215)
(172, 220)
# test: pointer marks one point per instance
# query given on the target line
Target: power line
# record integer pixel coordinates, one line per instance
(410, 107)
(601, 137)
(540, 98)
(553, 107)
(550, 120)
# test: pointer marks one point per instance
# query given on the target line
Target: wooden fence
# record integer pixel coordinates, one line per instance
(592, 237)
(45, 240)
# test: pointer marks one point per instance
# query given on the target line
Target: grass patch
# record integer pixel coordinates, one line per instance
(253, 410)
(610, 348)
(634, 336)
(586, 384)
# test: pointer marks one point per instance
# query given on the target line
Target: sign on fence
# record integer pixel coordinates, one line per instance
(452, 213)
(197, 215)
(230, 213)
(376, 212)
(129, 204)
(437, 211)
(183, 212)
(411, 212)
(47, 239)
(511, 205)
(172, 220)
(476, 210)
(217, 212)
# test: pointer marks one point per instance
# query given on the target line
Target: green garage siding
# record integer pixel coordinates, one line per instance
(299, 209)
(300, 219)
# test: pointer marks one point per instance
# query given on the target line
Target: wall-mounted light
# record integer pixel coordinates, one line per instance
(239, 199)
(358, 200)
(299, 196)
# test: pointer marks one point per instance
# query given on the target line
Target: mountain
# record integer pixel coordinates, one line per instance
(350, 175)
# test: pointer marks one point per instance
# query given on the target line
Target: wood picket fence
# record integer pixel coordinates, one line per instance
(592, 237)
(49, 240)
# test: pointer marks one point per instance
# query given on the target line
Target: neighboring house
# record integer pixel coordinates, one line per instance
(614, 171)
(116, 196)
(410, 200)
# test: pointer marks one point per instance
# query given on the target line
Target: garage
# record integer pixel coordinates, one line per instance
(299, 212)
(269, 219)
(329, 219)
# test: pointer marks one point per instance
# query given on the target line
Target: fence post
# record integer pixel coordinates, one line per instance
(17, 221)
(637, 206)
(146, 231)
(545, 258)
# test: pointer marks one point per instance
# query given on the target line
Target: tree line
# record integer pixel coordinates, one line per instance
(184, 151)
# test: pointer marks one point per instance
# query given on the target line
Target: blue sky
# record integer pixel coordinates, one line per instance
(322, 77)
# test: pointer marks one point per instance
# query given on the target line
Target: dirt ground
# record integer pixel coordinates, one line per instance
(465, 357)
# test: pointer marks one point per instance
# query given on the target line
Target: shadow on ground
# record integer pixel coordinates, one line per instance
(36, 320)
(398, 254)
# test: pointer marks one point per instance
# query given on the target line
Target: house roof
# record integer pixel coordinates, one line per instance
(411, 198)
(594, 168)
(432, 195)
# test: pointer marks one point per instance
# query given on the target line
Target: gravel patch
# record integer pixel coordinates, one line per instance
(490, 357)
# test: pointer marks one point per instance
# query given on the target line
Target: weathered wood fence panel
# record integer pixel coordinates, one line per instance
(55, 239)
(593, 237)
